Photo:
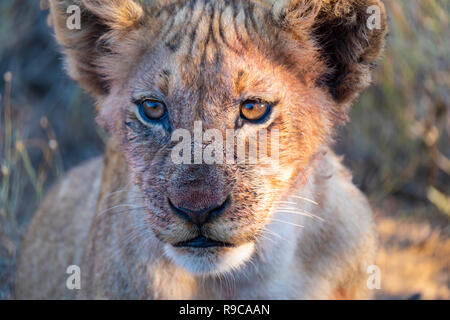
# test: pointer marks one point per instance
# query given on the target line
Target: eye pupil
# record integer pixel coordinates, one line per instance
(153, 110)
(254, 111)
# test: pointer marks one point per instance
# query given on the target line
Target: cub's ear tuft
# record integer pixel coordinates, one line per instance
(349, 35)
(87, 30)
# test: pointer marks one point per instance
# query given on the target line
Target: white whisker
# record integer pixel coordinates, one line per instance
(133, 206)
(303, 198)
(286, 202)
(111, 194)
(273, 233)
(276, 235)
(301, 213)
(267, 238)
(286, 222)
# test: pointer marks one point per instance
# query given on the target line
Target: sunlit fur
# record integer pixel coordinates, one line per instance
(302, 232)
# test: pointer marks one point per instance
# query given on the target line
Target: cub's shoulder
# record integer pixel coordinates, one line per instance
(57, 233)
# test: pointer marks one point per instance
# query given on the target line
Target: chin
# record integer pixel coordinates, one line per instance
(210, 261)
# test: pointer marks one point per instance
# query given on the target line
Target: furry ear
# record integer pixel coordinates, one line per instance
(100, 24)
(349, 35)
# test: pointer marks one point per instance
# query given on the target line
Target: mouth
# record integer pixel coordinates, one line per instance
(202, 242)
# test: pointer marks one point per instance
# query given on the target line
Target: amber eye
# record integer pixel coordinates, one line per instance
(152, 109)
(255, 111)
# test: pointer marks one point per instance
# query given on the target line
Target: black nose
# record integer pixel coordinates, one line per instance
(202, 216)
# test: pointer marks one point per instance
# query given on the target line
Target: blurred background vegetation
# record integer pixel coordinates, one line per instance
(397, 143)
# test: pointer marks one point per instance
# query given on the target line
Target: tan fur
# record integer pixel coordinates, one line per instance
(111, 216)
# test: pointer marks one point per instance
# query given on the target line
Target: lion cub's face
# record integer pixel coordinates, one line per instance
(205, 72)
(208, 68)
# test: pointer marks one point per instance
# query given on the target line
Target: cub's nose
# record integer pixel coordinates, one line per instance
(201, 216)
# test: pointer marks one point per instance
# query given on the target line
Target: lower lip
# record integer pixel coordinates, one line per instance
(201, 242)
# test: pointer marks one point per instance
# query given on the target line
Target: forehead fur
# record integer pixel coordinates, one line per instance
(323, 43)
(196, 39)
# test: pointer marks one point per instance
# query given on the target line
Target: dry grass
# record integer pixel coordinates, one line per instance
(22, 181)
(46, 124)
(414, 259)
(398, 140)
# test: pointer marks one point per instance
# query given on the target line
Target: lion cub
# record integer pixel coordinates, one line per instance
(138, 223)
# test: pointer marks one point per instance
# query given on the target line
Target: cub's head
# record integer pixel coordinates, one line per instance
(187, 87)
